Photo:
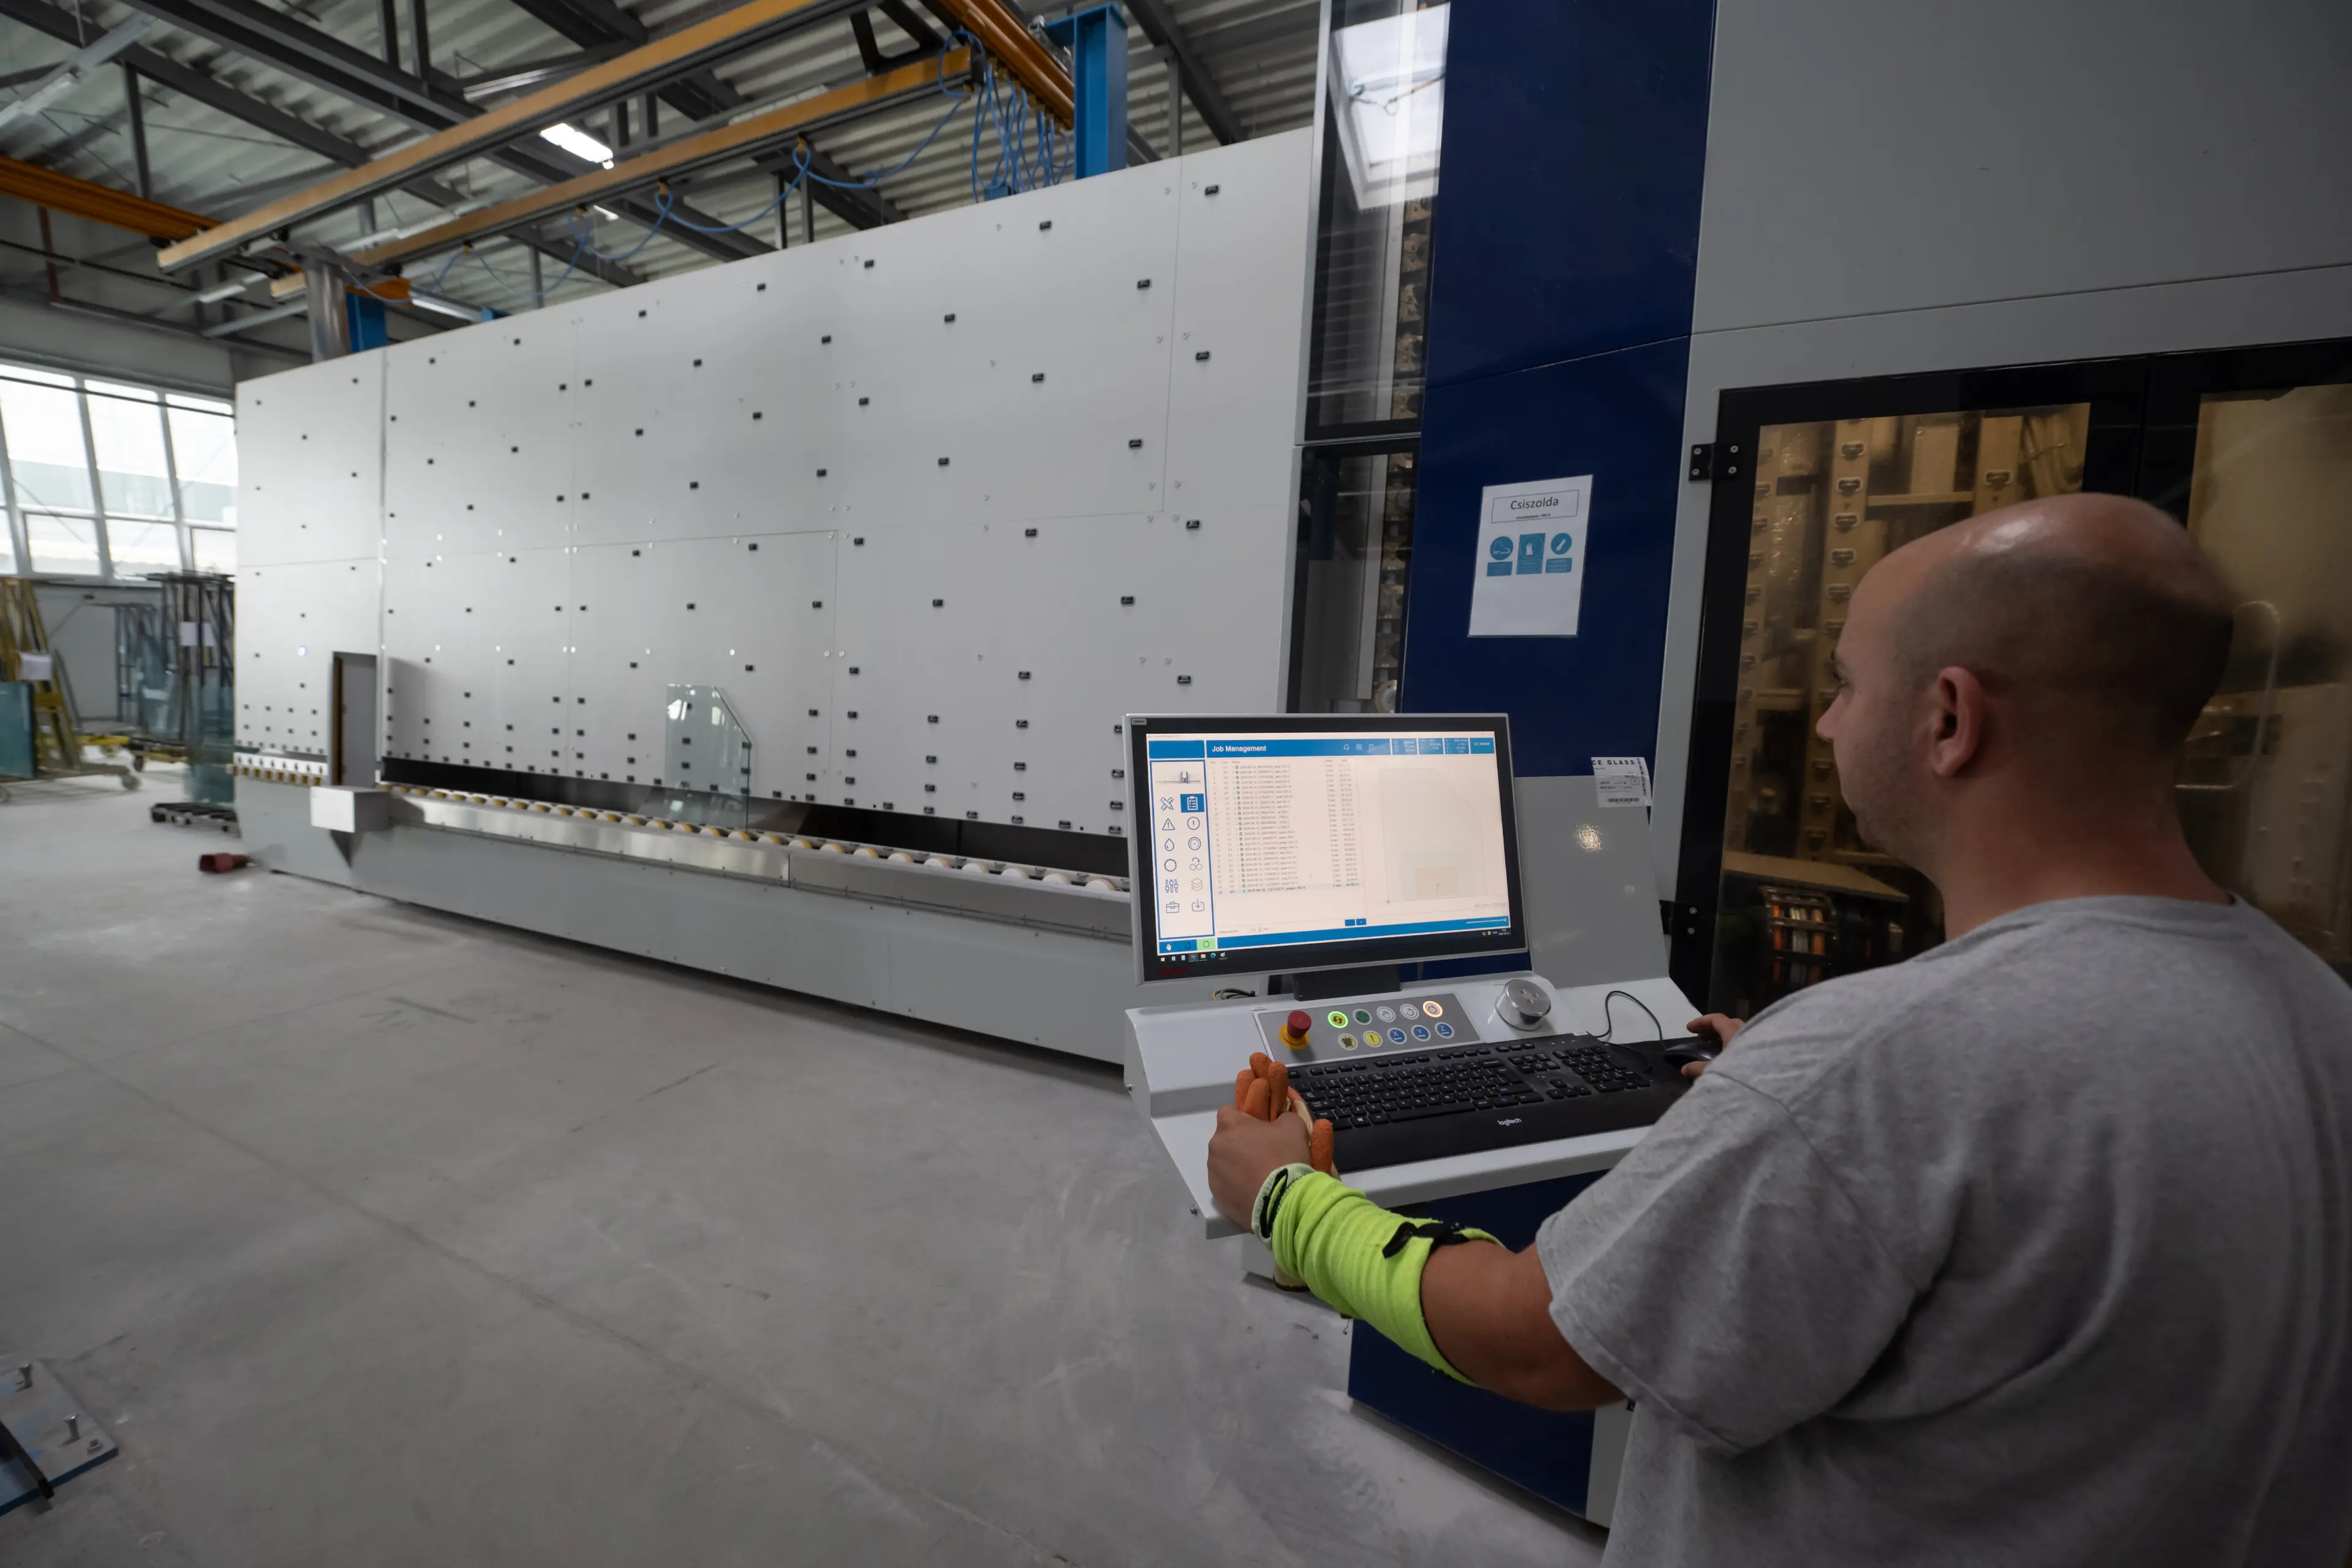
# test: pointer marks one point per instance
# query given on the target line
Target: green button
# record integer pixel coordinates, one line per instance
(1338, 1020)
(1362, 1016)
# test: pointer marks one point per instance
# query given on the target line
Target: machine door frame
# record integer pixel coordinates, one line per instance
(354, 758)
(2116, 389)
(2142, 441)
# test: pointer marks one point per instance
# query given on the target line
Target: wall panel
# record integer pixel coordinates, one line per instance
(310, 467)
(291, 621)
(679, 483)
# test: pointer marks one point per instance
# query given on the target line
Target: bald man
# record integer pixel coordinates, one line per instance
(2035, 1249)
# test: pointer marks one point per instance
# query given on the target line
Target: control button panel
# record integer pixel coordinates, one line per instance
(1338, 1033)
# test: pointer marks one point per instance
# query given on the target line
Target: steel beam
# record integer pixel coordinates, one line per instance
(462, 131)
(220, 97)
(594, 23)
(330, 66)
(726, 143)
(288, 43)
(134, 101)
(1096, 40)
(1159, 25)
(99, 203)
(531, 74)
(420, 38)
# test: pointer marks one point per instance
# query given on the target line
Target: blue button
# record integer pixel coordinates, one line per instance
(1421, 1031)
(1445, 1031)
(1396, 1037)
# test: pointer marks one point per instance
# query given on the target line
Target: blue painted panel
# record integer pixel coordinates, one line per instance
(1546, 1451)
(1569, 183)
(1617, 417)
(364, 321)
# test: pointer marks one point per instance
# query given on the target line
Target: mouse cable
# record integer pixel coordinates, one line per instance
(1637, 1001)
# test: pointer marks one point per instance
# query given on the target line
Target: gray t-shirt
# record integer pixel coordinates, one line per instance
(2036, 1249)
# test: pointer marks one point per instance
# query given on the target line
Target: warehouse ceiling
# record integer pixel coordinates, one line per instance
(244, 102)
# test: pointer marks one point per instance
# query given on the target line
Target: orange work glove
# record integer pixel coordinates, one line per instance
(1262, 1089)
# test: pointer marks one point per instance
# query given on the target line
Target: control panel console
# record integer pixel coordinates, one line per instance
(1327, 1031)
(1425, 1118)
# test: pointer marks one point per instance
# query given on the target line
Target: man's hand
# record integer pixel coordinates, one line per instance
(1263, 1129)
(1716, 1027)
(1244, 1152)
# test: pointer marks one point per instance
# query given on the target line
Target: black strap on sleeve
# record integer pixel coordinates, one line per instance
(1437, 1232)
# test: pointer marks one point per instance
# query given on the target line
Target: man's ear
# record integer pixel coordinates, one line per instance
(1957, 715)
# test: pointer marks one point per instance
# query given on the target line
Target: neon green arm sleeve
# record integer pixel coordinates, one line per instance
(1356, 1256)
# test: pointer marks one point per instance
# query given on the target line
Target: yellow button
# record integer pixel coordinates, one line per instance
(1338, 1020)
(1347, 1042)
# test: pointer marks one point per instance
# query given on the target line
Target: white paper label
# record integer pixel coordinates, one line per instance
(1621, 781)
(34, 666)
(1527, 580)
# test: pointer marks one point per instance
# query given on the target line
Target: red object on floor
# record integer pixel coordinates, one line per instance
(223, 862)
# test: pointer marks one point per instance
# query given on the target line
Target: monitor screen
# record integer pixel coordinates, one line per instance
(1314, 841)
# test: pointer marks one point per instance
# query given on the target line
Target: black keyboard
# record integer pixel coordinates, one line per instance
(1388, 1111)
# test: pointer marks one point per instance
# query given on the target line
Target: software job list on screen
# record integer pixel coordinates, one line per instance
(1261, 840)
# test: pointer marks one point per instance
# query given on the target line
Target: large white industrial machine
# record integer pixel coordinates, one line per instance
(856, 552)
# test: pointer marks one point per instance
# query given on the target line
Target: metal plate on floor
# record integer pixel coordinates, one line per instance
(54, 1431)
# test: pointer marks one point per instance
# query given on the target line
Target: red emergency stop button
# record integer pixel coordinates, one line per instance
(1293, 1031)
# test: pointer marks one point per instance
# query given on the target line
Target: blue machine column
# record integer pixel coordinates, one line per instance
(1096, 40)
(363, 316)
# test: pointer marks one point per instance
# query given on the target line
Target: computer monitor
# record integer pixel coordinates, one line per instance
(1311, 841)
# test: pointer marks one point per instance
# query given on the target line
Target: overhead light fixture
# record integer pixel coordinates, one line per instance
(220, 291)
(609, 213)
(71, 73)
(385, 236)
(578, 143)
(41, 97)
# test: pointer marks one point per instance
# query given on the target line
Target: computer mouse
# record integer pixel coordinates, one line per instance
(1682, 1053)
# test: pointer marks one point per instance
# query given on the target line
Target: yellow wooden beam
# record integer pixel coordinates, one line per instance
(99, 203)
(1009, 42)
(649, 64)
(684, 155)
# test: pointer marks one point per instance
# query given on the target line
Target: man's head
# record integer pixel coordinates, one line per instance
(2052, 654)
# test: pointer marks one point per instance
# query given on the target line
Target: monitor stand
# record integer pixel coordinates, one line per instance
(1315, 984)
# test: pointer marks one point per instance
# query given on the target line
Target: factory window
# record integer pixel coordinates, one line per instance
(104, 478)
(1373, 235)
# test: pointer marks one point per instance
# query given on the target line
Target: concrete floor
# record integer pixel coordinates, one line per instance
(381, 1236)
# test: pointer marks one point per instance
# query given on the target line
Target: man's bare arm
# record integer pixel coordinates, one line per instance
(1489, 1310)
